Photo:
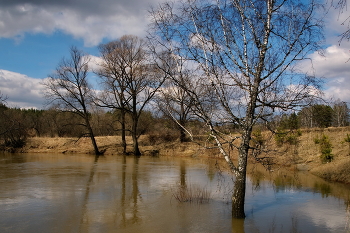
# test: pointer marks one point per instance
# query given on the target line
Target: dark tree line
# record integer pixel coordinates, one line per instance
(16, 125)
(323, 116)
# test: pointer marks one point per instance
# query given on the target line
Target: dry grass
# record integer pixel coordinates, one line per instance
(192, 194)
(334, 171)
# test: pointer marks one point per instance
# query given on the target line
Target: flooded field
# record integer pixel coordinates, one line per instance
(76, 193)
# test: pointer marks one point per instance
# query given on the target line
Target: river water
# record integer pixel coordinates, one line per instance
(76, 193)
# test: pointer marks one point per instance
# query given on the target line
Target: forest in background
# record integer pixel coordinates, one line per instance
(16, 124)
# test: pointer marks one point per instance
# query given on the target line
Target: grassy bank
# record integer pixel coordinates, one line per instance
(305, 155)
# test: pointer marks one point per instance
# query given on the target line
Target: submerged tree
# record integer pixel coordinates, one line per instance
(69, 89)
(245, 54)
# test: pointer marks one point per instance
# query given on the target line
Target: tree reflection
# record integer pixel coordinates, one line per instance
(130, 211)
(87, 192)
(323, 188)
(135, 191)
(347, 226)
(183, 174)
(123, 194)
(237, 225)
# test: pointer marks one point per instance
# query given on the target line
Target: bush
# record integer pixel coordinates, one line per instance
(291, 137)
(154, 138)
(15, 142)
(325, 148)
(258, 137)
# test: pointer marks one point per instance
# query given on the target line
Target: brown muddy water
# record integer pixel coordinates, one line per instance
(76, 193)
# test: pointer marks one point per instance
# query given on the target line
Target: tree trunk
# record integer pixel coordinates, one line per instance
(136, 146)
(238, 197)
(94, 144)
(182, 134)
(92, 137)
(123, 131)
(134, 135)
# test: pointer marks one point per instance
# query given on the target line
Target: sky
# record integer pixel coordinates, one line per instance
(36, 34)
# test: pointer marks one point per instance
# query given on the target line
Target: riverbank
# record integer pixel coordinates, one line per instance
(305, 155)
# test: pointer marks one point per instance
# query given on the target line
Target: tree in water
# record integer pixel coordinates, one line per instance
(245, 54)
(69, 89)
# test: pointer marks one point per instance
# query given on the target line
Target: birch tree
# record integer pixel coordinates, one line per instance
(341, 114)
(246, 52)
(69, 89)
(342, 6)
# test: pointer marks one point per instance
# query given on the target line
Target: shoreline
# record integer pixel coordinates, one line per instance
(304, 156)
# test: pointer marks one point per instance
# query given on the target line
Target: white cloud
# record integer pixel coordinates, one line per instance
(94, 63)
(21, 90)
(334, 67)
(334, 64)
(87, 19)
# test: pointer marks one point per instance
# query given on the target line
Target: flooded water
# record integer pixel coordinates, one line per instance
(76, 193)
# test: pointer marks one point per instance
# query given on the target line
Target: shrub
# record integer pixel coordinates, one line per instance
(325, 148)
(258, 137)
(191, 194)
(283, 136)
(154, 139)
(280, 136)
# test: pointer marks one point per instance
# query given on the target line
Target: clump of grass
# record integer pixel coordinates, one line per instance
(193, 194)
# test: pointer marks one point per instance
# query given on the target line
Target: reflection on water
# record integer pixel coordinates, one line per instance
(78, 193)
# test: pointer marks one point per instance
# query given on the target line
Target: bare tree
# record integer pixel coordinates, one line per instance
(173, 100)
(68, 87)
(131, 80)
(2, 98)
(341, 5)
(341, 114)
(245, 52)
(112, 72)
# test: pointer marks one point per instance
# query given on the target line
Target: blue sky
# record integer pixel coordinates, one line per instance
(36, 34)
(37, 55)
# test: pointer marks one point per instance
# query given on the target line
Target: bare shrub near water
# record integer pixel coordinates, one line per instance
(193, 194)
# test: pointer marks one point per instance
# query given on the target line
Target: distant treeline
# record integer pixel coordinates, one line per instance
(16, 125)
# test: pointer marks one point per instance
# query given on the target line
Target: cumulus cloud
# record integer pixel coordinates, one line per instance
(334, 67)
(94, 63)
(21, 90)
(334, 63)
(87, 19)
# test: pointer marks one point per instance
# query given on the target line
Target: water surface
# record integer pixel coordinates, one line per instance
(76, 193)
